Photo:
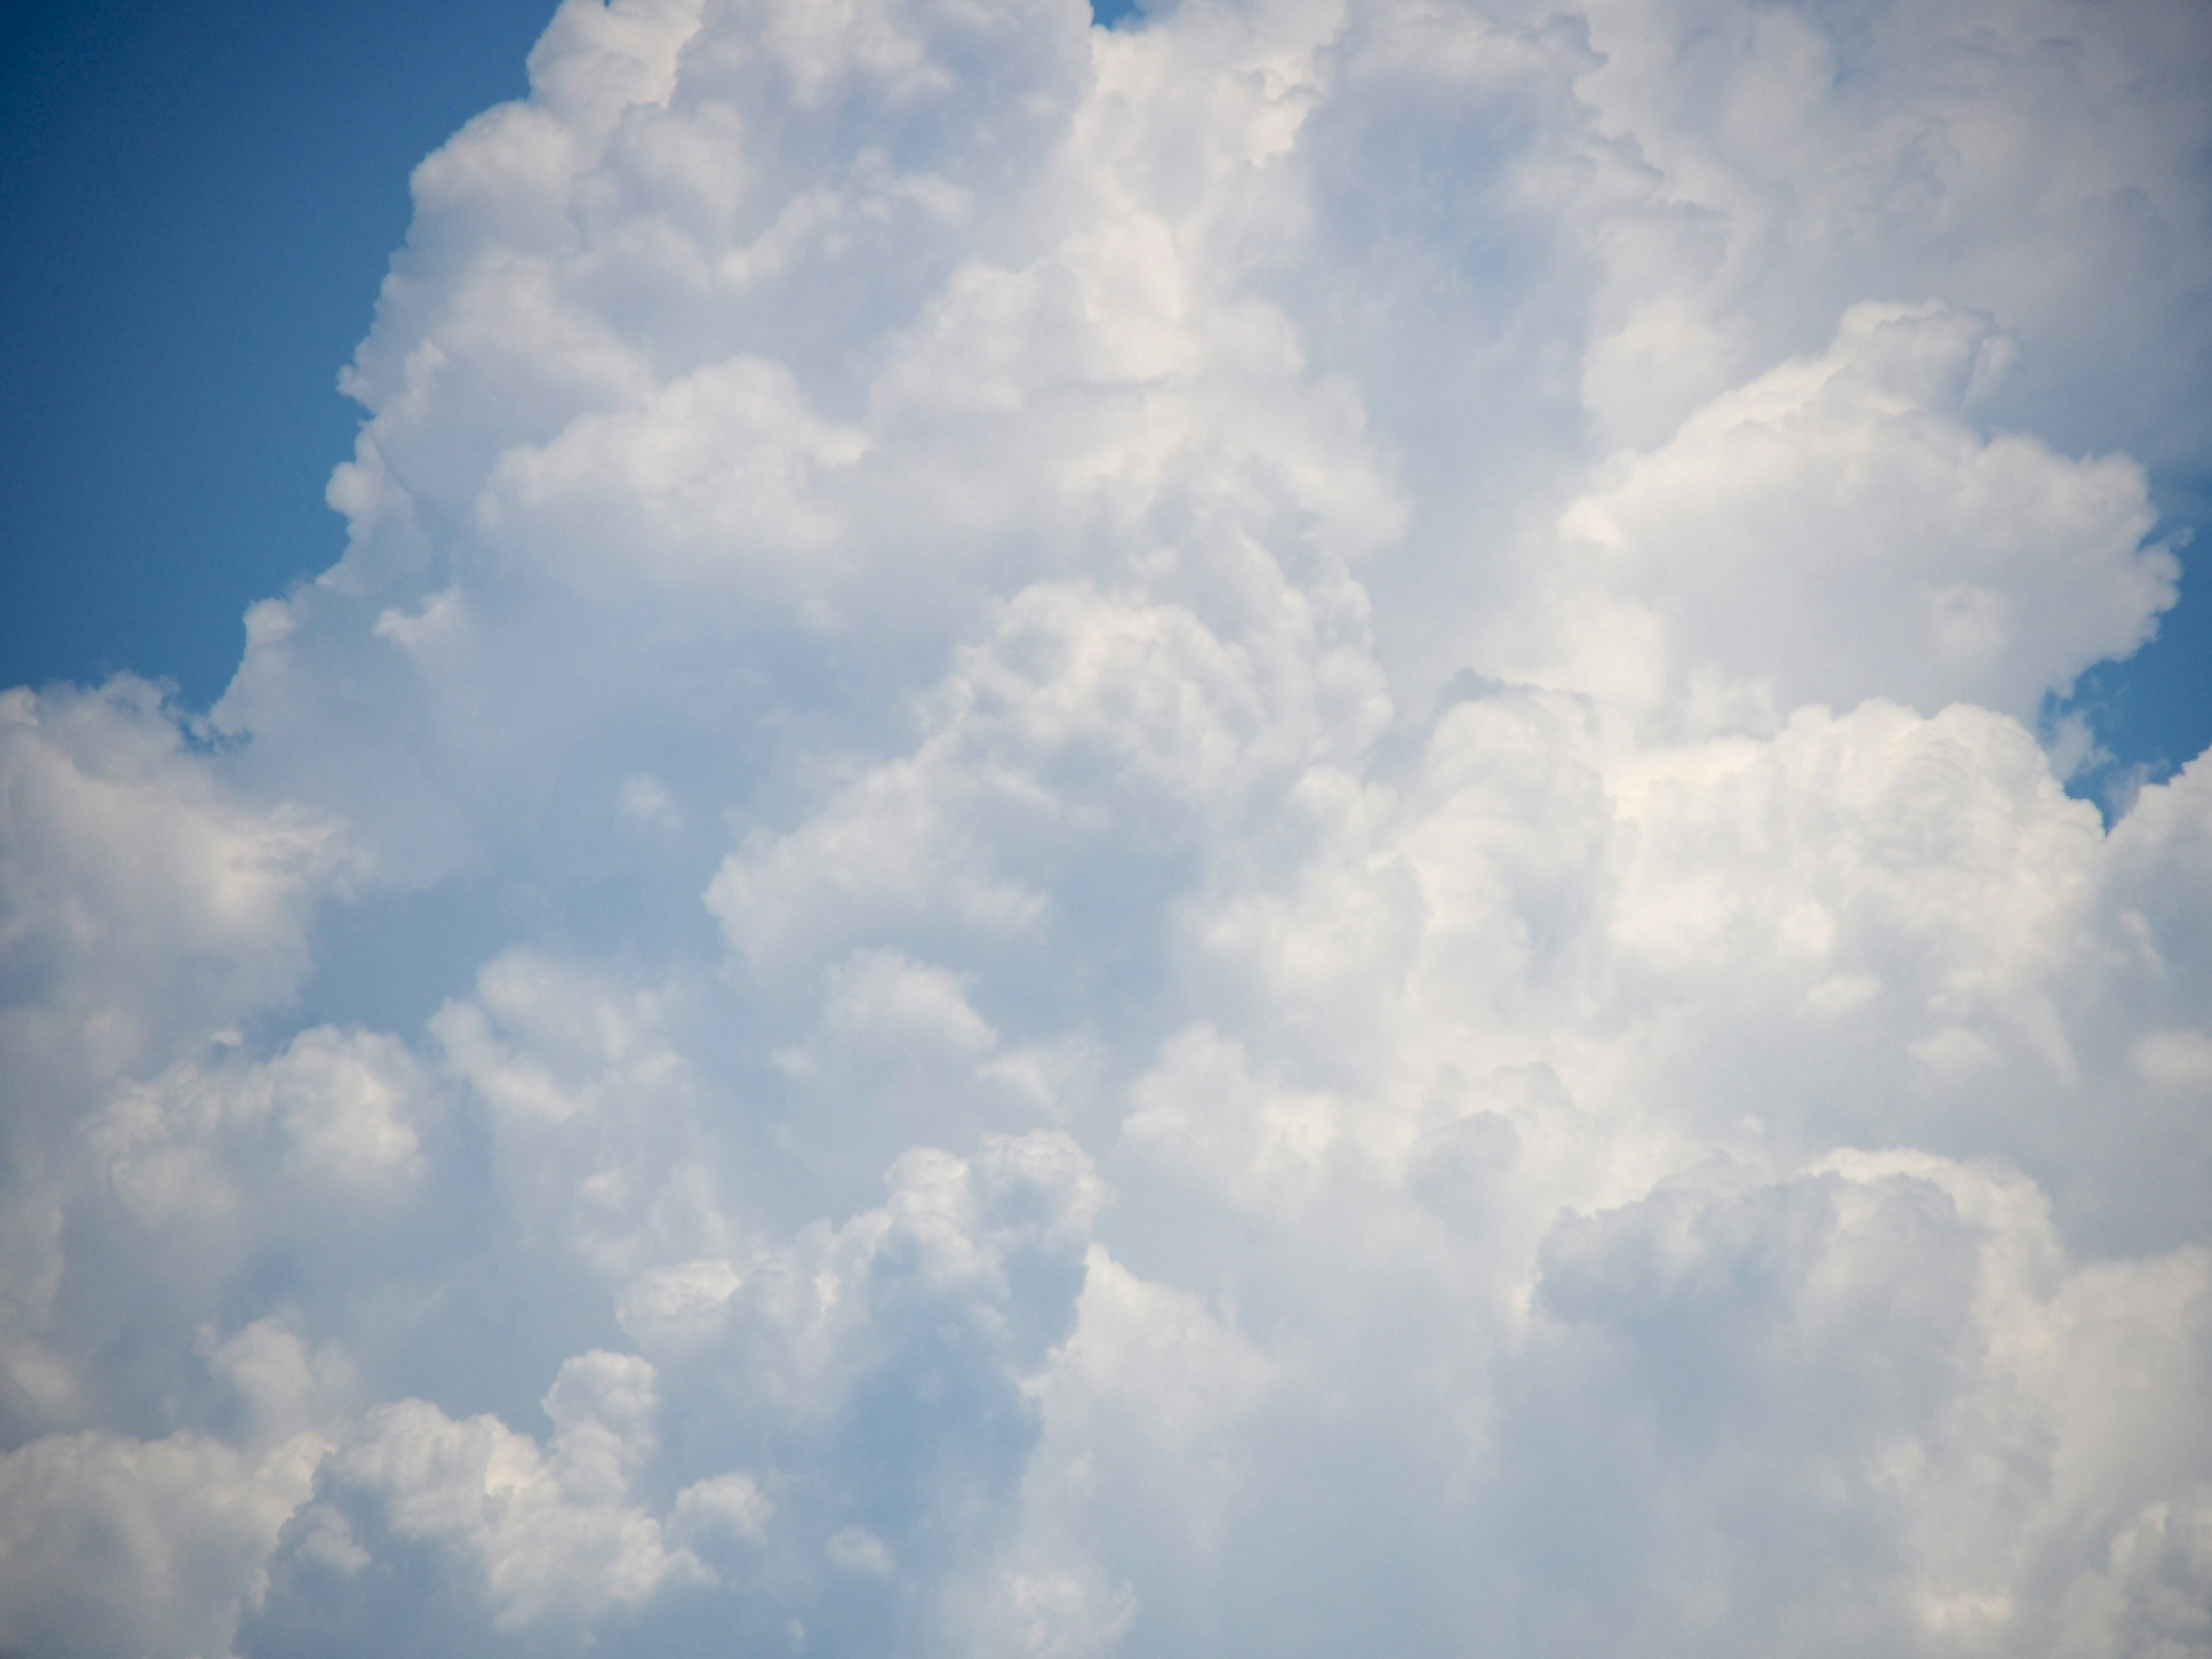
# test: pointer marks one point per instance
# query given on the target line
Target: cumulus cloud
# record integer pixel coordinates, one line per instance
(1832, 532)
(1232, 836)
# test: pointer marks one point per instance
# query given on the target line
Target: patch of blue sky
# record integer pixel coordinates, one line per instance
(2152, 713)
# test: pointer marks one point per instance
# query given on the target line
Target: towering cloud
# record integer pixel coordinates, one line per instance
(1241, 836)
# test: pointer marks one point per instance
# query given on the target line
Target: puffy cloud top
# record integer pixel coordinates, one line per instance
(1241, 835)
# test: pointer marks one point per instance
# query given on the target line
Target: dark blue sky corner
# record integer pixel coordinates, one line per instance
(197, 201)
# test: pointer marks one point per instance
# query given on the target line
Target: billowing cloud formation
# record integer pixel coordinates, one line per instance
(1222, 838)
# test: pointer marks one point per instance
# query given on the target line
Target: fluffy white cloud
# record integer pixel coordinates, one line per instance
(1222, 837)
(120, 1544)
(147, 902)
(1831, 532)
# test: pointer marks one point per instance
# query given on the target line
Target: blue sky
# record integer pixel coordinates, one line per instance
(200, 201)
(1237, 836)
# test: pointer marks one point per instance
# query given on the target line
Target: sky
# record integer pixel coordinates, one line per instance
(908, 829)
(197, 203)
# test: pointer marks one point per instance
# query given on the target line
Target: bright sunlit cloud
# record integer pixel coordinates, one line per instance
(1237, 836)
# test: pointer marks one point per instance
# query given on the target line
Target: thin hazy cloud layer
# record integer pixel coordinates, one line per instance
(1237, 837)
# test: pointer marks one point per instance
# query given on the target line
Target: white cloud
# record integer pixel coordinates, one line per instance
(336, 1104)
(1228, 838)
(114, 1543)
(147, 903)
(549, 1535)
(1831, 532)
(730, 1502)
